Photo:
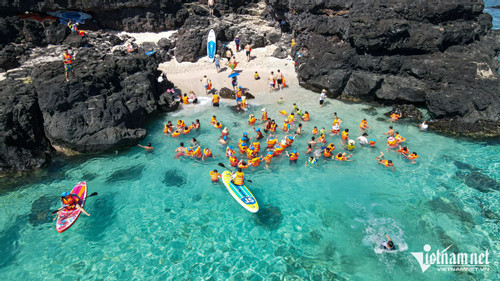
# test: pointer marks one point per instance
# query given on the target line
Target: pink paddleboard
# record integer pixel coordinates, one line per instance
(67, 218)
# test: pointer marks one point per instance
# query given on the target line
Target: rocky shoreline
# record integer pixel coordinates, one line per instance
(440, 55)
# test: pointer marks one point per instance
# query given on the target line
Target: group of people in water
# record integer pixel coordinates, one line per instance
(247, 152)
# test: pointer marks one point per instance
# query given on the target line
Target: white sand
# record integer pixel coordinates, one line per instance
(187, 76)
(141, 37)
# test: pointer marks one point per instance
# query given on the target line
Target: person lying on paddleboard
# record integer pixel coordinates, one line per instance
(70, 202)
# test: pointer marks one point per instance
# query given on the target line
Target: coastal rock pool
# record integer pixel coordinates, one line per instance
(161, 218)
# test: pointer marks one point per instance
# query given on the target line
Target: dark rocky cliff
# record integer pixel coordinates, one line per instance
(437, 54)
(440, 54)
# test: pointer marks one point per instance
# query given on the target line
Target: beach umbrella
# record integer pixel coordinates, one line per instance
(234, 74)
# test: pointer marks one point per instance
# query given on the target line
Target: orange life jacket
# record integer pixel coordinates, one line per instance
(372, 143)
(386, 163)
(185, 100)
(250, 153)
(402, 150)
(315, 131)
(256, 146)
(305, 117)
(268, 157)
(213, 121)
(412, 156)
(327, 153)
(70, 201)
(239, 179)
(187, 130)
(218, 126)
(214, 176)
(207, 152)
(255, 161)
(272, 127)
(189, 151)
(215, 98)
(197, 152)
(322, 138)
(345, 135)
(271, 143)
(363, 124)
(293, 156)
(243, 166)
(180, 123)
(167, 129)
(252, 121)
(264, 116)
(175, 134)
(68, 59)
(234, 161)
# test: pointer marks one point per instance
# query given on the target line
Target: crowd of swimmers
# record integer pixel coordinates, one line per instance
(252, 151)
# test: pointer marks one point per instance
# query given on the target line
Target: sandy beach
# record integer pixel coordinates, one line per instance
(186, 76)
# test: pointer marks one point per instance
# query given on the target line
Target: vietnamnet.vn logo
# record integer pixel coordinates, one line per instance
(446, 261)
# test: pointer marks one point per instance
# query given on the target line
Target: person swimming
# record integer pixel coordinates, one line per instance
(387, 163)
(389, 245)
(311, 161)
(424, 126)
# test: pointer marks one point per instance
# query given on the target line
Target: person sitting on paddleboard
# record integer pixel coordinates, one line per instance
(238, 178)
(70, 202)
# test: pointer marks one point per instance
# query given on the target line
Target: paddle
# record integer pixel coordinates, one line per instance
(223, 166)
(93, 194)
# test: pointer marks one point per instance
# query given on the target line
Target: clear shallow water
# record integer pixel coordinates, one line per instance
(493, 7)
(158, 218)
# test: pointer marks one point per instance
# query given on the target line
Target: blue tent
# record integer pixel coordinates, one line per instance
(75, 17)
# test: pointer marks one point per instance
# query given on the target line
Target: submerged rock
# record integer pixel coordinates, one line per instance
(127, 174)
(445, 206)
(174, 177)
(40, 210)
(481, 182)
(269, 217)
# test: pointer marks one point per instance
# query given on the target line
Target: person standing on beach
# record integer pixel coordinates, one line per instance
(68, 64)
(237, 43)
(271, 82)
(211, 5)
(279, 78)
(204, 81)
(234, 83)
(217, 63)
(232, 63)
(322, 97)
(248, 49)
(229, 54)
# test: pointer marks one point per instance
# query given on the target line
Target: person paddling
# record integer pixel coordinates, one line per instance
(70, 202)
(238, 178)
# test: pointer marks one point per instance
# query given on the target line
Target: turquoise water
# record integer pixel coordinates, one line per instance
(493, 7)
(159, 218)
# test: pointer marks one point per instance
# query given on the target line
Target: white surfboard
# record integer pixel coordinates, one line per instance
(211, 45)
